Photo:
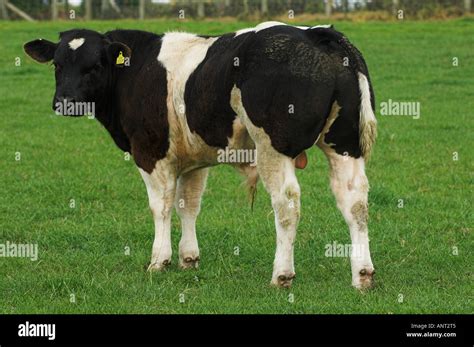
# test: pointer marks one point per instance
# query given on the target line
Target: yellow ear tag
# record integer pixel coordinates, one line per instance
(120, 59)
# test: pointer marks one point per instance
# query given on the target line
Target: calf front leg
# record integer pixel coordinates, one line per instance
(191, 186)
(161, 186)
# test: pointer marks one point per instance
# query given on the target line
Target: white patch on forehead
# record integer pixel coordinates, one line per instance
(76, 43)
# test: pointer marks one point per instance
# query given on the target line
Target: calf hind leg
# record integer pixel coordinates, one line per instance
(350, 187)
(277, 172)
(278, 176)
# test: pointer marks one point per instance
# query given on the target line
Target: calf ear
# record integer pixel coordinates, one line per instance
(40, 50)
(118, 54)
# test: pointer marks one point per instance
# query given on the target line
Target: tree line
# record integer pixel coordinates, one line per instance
(113, 9)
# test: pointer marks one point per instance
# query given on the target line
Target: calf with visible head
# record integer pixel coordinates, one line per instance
(175, 100)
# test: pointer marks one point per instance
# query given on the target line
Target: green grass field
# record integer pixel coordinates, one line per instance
(82, 249)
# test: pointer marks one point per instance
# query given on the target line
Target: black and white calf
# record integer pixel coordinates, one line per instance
(174, 100)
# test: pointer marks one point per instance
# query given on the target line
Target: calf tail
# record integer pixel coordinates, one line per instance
(251, 180)
(367, 121)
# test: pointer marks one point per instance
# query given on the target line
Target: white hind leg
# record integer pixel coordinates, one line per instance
(277, 172)
(350, 187)
(278, 176)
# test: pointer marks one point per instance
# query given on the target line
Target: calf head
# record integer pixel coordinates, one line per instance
(84, 61)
